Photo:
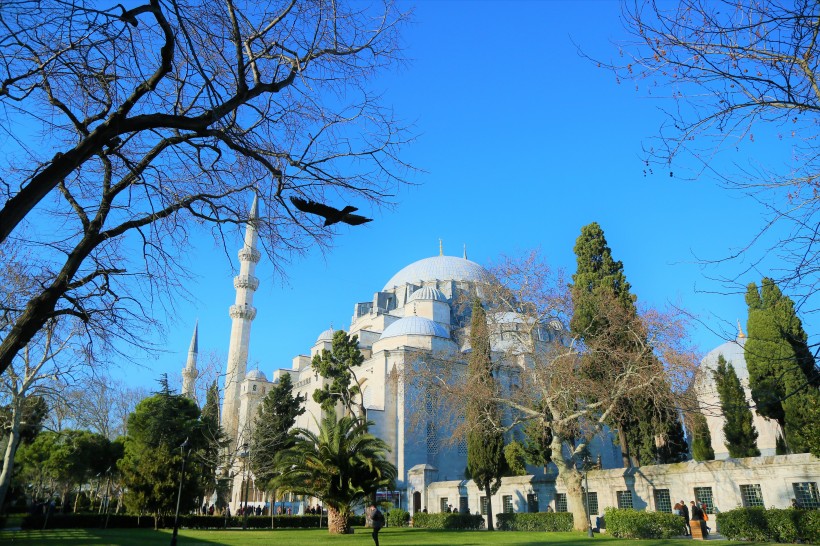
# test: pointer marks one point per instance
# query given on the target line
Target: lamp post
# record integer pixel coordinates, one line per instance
(107, 494)
(586, 495)
(179, 495)
(245, 454)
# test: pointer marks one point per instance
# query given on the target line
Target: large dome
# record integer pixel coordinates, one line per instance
(256, 375)
(415, 326)
(733, 352)
(427, 293)
(438, 268)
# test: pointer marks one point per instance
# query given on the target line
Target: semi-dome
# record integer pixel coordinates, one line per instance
(415, 326)
(256, 375)
(327, 335)
(438, 268)
(427, 293)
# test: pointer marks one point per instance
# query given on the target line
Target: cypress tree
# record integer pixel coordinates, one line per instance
(485, 443)
(782, 373)
(598, 280)
(738, 428)
(701, 439)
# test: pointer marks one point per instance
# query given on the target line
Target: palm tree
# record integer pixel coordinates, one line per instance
(342, 465)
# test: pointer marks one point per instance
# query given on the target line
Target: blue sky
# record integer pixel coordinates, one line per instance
(521, 142)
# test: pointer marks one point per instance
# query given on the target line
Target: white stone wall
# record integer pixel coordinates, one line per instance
(774, 474)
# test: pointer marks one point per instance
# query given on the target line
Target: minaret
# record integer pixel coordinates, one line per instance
(242, 315)
(190, 373)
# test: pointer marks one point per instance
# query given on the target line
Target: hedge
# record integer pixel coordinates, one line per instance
(398, 518)
(446, 520)
(772, 525)
(633, 524)
(540, 521)
(192, 521)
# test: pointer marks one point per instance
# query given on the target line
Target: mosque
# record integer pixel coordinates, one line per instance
(420, 310)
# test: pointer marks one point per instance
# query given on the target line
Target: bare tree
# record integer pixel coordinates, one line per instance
(125, 128)
(32, 375)
(727, 73)
(547, 377)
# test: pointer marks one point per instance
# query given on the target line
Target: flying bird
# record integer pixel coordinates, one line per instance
(330, 214)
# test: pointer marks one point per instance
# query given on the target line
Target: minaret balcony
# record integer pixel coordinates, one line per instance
(248, 254)
(244, 311)
(245, 282)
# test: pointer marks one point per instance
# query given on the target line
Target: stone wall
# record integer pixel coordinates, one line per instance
(730, 483)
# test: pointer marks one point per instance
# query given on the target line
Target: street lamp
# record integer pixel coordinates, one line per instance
(245, 455)
(585, 461)
(179, 495)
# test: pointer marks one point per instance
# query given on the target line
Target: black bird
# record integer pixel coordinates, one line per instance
(330, 214)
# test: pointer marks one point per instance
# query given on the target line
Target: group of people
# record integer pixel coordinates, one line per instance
(694, 512)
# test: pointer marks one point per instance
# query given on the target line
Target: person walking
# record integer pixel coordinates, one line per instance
(684, 511)
(378, 522)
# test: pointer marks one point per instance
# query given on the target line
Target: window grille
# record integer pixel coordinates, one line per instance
(443, 504)
(506, 502)
(432, 439)
(807, 495)
(462, 447)
(752, 495)
(592, 502)
(560, 502)
(484, 504)
(663, 501)
(532, 503)
(703, 495)
(624, 499)
(463, 507)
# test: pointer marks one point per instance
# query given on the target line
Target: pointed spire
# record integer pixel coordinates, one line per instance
(740, 334)
(465, 251)
(195, 339)
(440, 248)
(254, 214)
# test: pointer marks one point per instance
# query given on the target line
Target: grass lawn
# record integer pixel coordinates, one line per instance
(387, 537)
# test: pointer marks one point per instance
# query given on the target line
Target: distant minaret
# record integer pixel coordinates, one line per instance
(190, 373)
(242, 314)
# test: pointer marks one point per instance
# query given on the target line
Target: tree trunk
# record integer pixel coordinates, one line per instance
(8, 456)
(489, 507)
(338, 521)
(568, 473)
(625, 458)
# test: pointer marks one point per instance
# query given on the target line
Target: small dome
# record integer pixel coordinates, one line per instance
(415, 326)
(428, 293)
(438, 268)
(256, 375)
(327, 335)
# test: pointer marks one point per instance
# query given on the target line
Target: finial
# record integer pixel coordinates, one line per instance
(465, 251)
(440, 248)
(740, 334)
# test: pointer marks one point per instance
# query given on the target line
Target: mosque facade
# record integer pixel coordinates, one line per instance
(420, 310)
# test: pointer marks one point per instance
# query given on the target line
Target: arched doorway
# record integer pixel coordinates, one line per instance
(416, 501)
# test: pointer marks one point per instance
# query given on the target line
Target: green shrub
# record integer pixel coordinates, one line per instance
(398, 518)
(774, 525)
(633, 524)
(447, 521)
(541, 521)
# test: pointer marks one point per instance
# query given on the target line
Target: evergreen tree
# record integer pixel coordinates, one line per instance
(157, 428)
(485, 443)
(672, 447)
(537, 442)
(515, 458)
(275, 417)
(738, 428)
(215, 443)
(782, 372)
(701, 439)
(598, 282)
(339, 365)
